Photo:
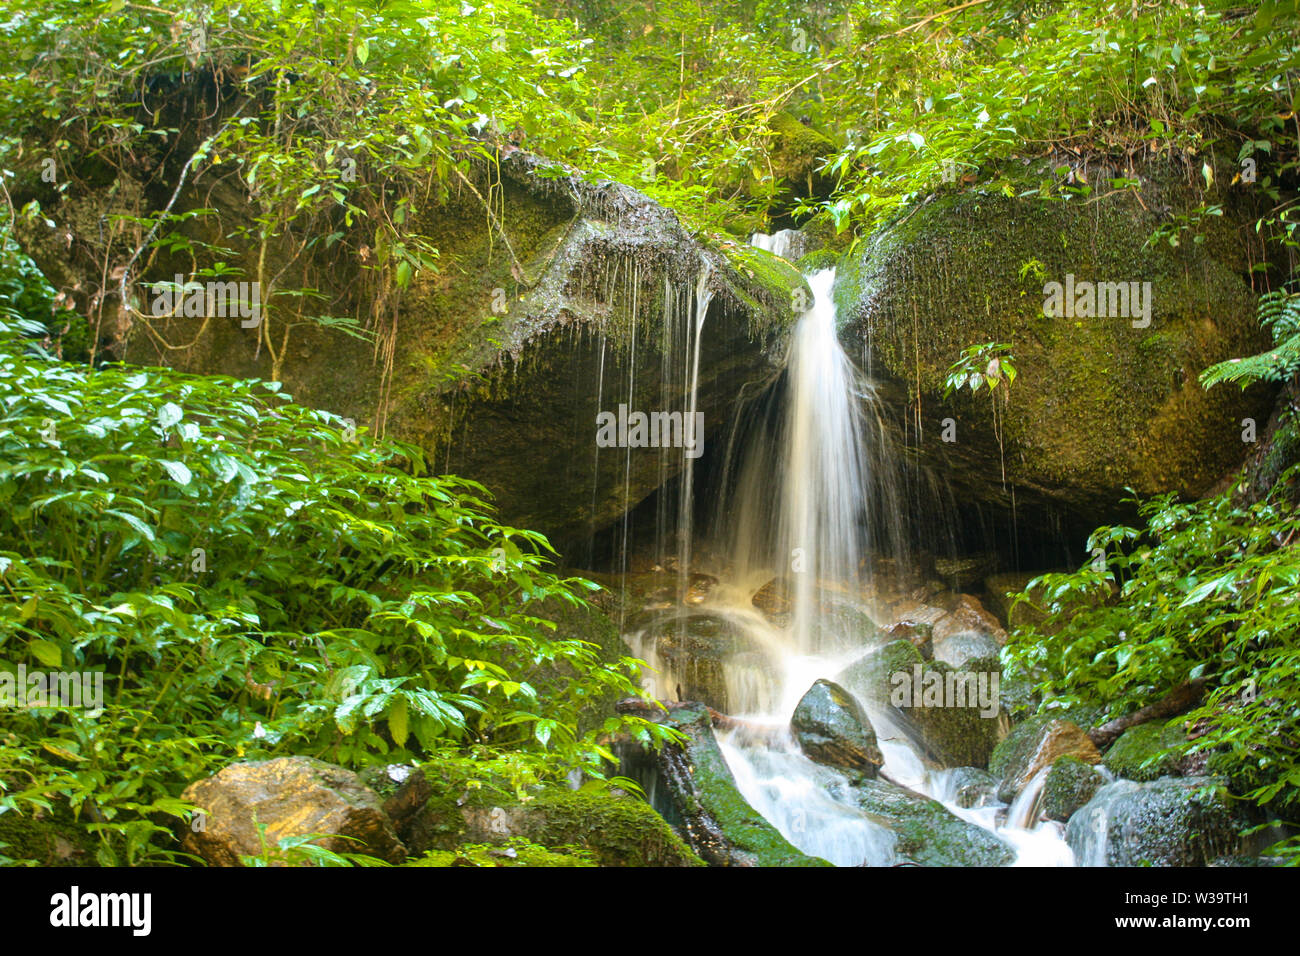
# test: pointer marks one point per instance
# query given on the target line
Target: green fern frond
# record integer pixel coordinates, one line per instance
(1280, 314)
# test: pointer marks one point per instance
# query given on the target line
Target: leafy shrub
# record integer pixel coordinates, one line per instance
(253, 580)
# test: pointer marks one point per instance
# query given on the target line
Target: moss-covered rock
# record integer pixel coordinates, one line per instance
(493, 363)
(716, 820)
(515, 854)
(46, 840)
(797, 152)
(1070, 784)
(928, 834)
(1035, 745)
(1143, 752)
(961, 736)
(896, 676)
(1098, 404)
(1171, 821)
(871, 675)
(437, 810)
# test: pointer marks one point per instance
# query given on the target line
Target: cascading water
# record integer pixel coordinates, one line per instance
(810, 496)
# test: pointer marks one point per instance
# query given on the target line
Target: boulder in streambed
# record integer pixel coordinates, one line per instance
(927, 833)
(292, 796)
(1033, 746)
(968, 787)
(1172, 821)
(707, 805)
(832, 729)
(1070, 784)
(955, 711)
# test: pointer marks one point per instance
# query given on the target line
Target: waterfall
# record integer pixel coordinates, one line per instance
(809, 499)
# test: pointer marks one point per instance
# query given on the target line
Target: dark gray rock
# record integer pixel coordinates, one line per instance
(832, 729)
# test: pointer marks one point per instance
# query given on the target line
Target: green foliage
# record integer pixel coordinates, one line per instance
(981, 366)
(252, 579)
(1279, 312)
(303, 851)
(1203, 590)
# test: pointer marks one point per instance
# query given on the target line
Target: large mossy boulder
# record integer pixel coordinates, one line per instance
(832, 729)
(1099, 404)
(569, 296)
(292, 797)
(1172, 821)
(923, 698)
(928, 834)
(1146, 751)
(438, 810)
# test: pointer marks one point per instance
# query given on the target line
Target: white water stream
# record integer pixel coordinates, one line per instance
(811, 501)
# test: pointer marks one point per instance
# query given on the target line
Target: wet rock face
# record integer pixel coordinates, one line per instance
(1069, 785)
(972, 787)
(714, 818)
(576, 296)
(1098, 404)
(928, 834)
(293, 796)
(1172, 821)
(1033, 746)
(953, 714)
(699, 656)
(832, 729)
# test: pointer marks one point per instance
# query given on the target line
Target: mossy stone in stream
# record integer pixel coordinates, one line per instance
(1034, 745)
(727, 829)
(955, 736)
(832, 729)
(1070, 784)
(1172, 821)
(928, 833)
(972, 787)
(1146, 751)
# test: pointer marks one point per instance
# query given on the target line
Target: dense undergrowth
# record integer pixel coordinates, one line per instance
(253, 579)
(1205, 591)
